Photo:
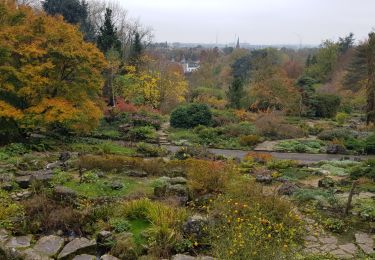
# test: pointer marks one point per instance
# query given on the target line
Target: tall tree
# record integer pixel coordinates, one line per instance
(50, 78)
(137, 49)
(108, 38)
(235, 93)
(73, 11)
(362, 73)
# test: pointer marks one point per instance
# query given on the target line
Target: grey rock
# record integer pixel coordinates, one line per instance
(31, 254)
(266, 179)
(116, 185)
(136, 173)
(194, 226)
(49, 245)
(311, 239)
(328, 240)
(84, 257)
(44, 177)
(64, 193)
(287, 188)
(24, 181)
(19, 242)
(365, 242)
(77, 246)
(4, 235)
(336, 149)
(349, 248)
(64, 156)
(7, 186)
(54, 165)
(108, 257)
(341, 254)
(182, 257)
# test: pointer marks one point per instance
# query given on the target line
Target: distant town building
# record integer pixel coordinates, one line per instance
(189, 67)
(238, 43)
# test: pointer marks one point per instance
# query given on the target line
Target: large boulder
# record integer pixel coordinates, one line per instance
(49, 245)
(19, 242)
(31, 254)
(76, 247)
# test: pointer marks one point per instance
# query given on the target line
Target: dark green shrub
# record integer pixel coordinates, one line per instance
(355, 144)
(326, 105)
(367, 169)
(340, 134)
(191, 115)
(149, 150)
(142, 133)
(370, 144)
(249, 140)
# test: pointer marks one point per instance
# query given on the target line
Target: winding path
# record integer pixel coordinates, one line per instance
(300, 157)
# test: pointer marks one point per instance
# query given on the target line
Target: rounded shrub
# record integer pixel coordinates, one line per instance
(326, 105)
(191, 115)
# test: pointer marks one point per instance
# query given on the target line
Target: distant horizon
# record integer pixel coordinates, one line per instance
(270, 22)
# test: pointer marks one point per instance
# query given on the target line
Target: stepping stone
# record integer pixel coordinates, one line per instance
(19, 242)
(311, 239)
(341, 254)
(84, 257)
(365, 242)
(49, 245)
(312, 251)
(349, 248)
(312, 245)
(328, 240)
(77, 246)
(328, 247)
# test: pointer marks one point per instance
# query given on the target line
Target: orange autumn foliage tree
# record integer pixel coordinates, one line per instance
(49, 76)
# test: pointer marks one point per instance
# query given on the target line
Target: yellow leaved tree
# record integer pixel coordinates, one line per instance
(49, 76)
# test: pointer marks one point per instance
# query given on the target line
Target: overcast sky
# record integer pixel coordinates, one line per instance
(254, 21)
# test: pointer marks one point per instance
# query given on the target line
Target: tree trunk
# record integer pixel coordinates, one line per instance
(351, 193)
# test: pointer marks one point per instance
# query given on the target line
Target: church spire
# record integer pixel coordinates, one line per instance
(238, 43)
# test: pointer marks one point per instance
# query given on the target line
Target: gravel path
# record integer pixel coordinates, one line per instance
(301, 157)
